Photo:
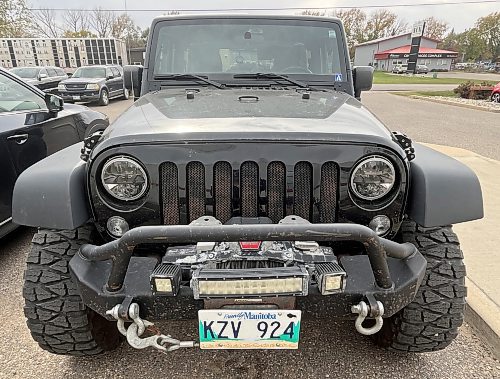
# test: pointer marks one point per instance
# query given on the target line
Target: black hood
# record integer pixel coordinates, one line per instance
(246, 114)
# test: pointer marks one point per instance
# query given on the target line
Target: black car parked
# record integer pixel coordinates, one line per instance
(45, 78)
(94, 84)
(33, 125)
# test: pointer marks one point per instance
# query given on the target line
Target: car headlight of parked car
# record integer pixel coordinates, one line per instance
(373, 178)
(61, 87)
(93, 86)
(124, 178)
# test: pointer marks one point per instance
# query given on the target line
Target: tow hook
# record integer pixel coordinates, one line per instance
(139, 326)
(375, 309)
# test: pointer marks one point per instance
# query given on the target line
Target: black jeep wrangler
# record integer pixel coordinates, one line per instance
(247, 187)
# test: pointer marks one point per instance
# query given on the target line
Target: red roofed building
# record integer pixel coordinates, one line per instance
(385, 53)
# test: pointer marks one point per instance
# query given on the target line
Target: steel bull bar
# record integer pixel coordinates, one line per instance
(121, 250)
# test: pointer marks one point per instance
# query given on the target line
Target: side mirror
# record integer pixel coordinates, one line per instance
(109, 76)
(54, 103)
(363, 80)
(132, 78)
(42, 76)
(69, 74)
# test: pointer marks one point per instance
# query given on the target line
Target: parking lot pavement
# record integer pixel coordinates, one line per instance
(441, 124)
(114, 109)
(328, 349)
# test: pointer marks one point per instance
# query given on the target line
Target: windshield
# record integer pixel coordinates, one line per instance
(90, 72)
(242, 46)
(26, 72)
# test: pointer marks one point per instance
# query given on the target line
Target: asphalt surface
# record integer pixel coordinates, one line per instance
(328, 349)
(449, 125)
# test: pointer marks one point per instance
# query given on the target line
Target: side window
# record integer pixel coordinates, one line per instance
(60, 72)
(108, 72)
(43, 71)
(115, 71)
(52, 72)
(14, 97)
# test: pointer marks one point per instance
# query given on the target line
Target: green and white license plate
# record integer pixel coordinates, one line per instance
(249, 329)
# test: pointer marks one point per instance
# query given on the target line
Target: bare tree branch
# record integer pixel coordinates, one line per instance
(45, 23)
(102, 22)
(76, 20)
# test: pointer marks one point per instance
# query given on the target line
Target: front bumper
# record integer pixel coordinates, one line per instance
(108, 275)
(83, 95)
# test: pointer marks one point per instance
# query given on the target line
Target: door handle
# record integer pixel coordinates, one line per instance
(19, 138)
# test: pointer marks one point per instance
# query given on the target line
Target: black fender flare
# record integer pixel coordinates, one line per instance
(51, 194)
(443, 191)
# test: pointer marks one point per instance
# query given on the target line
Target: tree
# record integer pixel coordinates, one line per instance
(76, 20)
(123, 26)
(488, 28)
(45, 23)
(79, 34)
(15, 19)
(102, 22)
(354, 21)
(383, 23)
(313, 12)
(435, 28)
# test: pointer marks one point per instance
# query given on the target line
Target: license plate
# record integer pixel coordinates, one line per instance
(249, 329)
(76, 97)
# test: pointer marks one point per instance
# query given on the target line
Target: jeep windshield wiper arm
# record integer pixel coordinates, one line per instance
(189, 76)
(272, 75)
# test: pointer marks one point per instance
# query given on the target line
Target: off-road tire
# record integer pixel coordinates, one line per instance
(104, 97)
(56, 316)
(430, 322)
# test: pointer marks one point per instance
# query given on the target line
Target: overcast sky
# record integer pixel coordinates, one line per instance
(459, 16)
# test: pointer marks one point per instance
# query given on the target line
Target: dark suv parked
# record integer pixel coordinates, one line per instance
(94, 84)
(45, 78)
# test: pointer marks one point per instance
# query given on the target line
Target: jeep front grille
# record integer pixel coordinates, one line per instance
(250, 189)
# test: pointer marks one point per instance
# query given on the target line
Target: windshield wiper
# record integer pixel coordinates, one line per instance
(189, 76)
(272, 75)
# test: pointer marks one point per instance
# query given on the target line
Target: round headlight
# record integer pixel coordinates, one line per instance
(124, 179)
(373, 178)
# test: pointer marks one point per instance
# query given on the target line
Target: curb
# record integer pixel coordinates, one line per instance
(481, 313)
(439, 101)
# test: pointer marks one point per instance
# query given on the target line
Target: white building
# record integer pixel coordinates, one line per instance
(67, 53)
(385, 53)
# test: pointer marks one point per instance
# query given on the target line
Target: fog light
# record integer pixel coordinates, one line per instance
(380, 225)
(163, 285)
(331, 278)
(117, 226)
(165, 279)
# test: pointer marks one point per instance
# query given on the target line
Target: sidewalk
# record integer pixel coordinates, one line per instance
(480, 242)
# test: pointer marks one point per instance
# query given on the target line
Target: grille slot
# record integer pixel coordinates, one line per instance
(328, 192)
(195, 188)
(169, 193)
(276, 189)
(302, 200)
(290, 189)
(222, 191)
(249, 182)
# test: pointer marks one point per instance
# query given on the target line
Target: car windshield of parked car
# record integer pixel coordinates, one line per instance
(14, 97)
(26, 72)
(242, 46)
(90, 72)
